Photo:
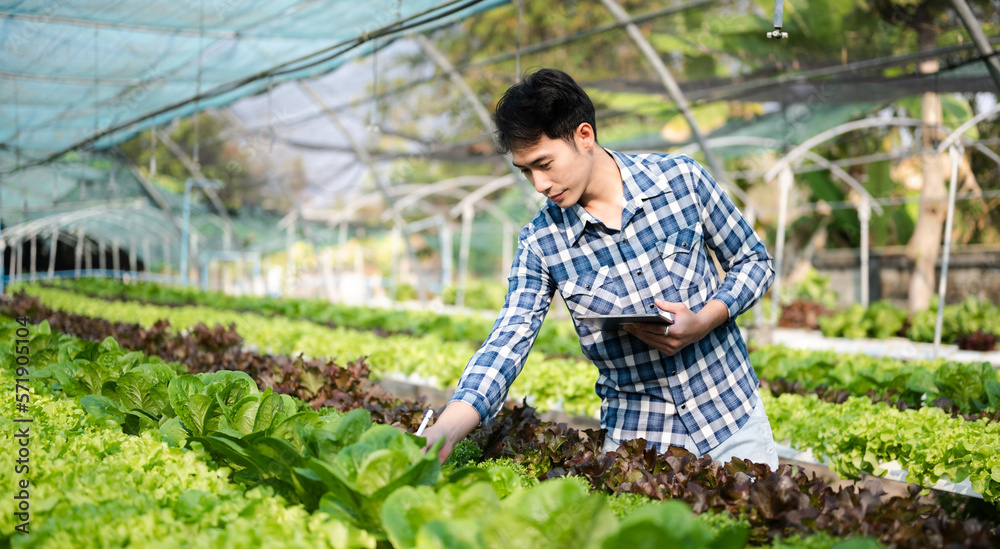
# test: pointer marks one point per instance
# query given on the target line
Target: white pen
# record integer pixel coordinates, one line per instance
(423, 423)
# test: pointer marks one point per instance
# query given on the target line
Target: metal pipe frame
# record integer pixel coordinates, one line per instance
(676, 95)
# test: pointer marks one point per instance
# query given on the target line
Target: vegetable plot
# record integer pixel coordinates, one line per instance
(358, 468)
(94, 486)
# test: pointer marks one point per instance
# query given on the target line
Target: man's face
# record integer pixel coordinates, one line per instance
(558, 169)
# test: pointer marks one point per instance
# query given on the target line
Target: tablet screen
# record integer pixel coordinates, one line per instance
(615, 322)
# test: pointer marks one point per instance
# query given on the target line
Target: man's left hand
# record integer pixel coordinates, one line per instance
(687, 328)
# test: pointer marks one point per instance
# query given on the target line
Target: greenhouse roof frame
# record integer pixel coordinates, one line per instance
(60, 93)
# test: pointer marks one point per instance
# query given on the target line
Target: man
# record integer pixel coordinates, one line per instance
(625, 234)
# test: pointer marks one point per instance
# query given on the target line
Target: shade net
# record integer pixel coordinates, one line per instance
(73, 70)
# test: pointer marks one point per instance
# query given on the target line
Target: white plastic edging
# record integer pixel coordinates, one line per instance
(893, 471)
(894, 347)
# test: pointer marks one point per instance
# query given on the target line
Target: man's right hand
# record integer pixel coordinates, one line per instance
(454, 424)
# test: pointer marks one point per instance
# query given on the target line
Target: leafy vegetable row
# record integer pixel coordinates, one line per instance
(202, 349)
(435, 361)
(973, 388)
(372, 477)
(883, 319)
(557, 338)
(859, 436)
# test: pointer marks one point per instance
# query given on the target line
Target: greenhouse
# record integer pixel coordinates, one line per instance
(478, 273)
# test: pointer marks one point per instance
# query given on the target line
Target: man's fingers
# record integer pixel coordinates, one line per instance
(669, 306)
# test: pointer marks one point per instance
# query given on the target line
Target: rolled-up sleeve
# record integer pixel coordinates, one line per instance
(491, 371)
(748, 266)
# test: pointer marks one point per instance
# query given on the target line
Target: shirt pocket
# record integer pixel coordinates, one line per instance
(682, 257)
(591, 293)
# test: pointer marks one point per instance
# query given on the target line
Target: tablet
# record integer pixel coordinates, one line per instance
(615, 322)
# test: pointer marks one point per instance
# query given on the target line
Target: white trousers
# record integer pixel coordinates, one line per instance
(753, 441)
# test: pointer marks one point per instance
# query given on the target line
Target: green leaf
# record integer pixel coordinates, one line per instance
(103, 408)
(193, 407)
(556, 513)
(378, 469)
(405, 510)
(232, 452)
(172, 432)
(662, 524)
(233, 391)
(193, 504)
(296, 429)
(281, 456)
(142, 390)
(451, 534)
(343, 431)
(270, 406)
(91, 377)
(241, 416)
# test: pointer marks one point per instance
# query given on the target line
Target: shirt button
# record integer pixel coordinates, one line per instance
(639, 272)
(685, 244)
(684, 406)
(588, 286)
(652, 305)
(625, 240)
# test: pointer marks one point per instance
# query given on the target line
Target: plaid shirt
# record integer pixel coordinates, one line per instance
(673, 210)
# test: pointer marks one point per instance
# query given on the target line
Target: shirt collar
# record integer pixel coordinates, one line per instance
(639, 185)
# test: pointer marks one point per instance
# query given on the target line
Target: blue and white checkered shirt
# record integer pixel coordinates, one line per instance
(674, 210)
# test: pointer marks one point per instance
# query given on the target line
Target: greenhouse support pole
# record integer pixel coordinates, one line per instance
(785, 181)
(468, 214)
(256, 272)
(326, 263)
(477, 107)
(115, 260)
(133, 260)
(446, 251)
(341, 244)
(52, 253)
(102, 249)
(15, 271)
(3, 246)
(508, 244)
(676, 95)
(955, 157)
(367, 160)
(185, 229)
(204, 274)
(79, 252)
(865, 216)
(194, 246)
(146, 254)
(394, 263)
(195, 171)
(34, 254)
(979, 38)
(88, 261)
(228, 268)
(166, 257)
(289, 260)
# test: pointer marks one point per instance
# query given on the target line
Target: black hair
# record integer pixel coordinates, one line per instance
(546, 102)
